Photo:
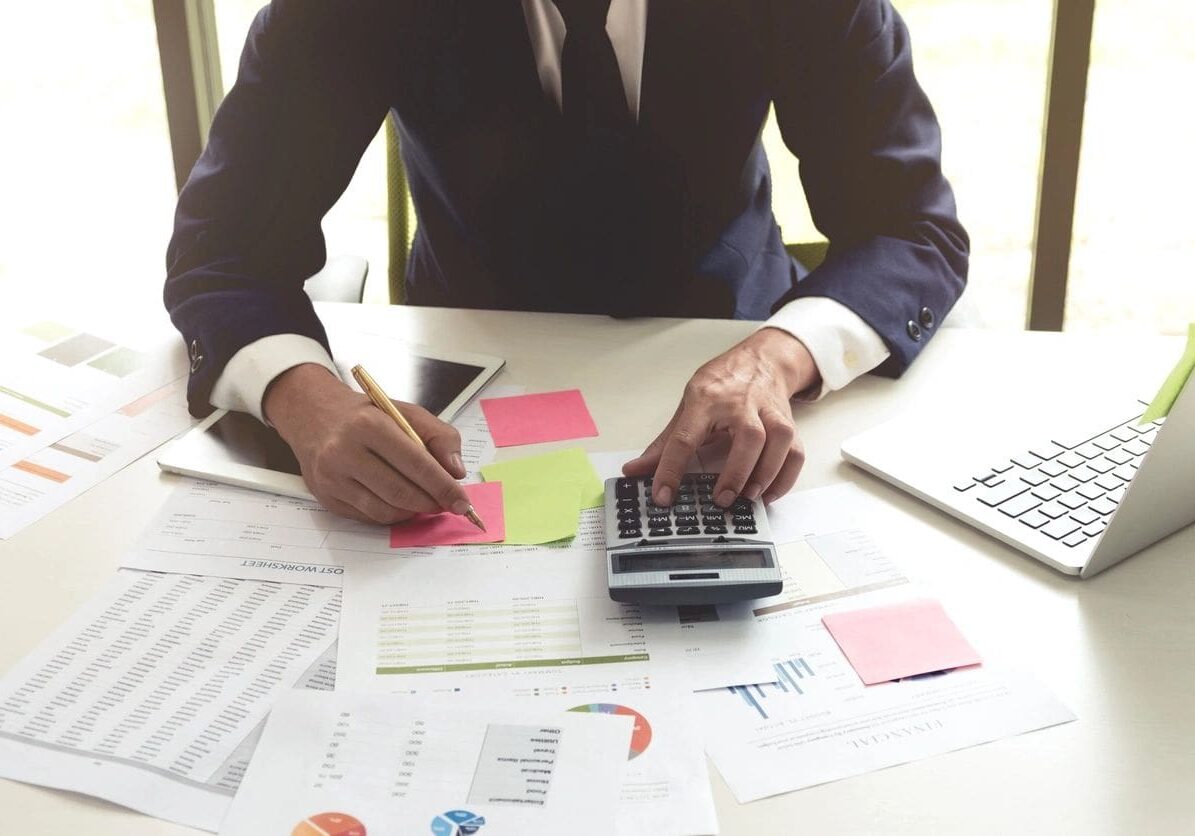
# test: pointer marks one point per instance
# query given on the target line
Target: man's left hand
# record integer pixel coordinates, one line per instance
(743, 394)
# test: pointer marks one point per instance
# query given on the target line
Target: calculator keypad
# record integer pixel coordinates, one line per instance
(694, 512)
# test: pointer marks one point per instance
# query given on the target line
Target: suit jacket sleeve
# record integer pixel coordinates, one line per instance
(850, 108)
(281, 150)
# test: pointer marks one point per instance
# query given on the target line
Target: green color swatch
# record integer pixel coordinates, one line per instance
(1168, 394)
(540, 513)
(120, 362)
(47, 331)
(556, 469)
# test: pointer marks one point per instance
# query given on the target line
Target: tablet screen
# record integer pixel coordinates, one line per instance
(431, 383)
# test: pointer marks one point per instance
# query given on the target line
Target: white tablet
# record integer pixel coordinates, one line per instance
(237, 449)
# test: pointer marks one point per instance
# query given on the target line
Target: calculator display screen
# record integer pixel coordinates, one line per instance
(704, 559)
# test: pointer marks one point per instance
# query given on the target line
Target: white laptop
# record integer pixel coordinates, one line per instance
(1081, 497)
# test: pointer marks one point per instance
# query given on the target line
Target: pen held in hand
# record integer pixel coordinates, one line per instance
(382, 401)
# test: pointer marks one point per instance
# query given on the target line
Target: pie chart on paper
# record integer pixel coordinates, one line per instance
(640, 737)
(329, 824)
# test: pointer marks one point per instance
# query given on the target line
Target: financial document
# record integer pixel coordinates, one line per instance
(816, 721)
(50, 477)
(148, 695)
(457, 619)
(395, 765)
(56, 379)
(542, 627)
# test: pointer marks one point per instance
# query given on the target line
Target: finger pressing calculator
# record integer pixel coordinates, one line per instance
(695, 552)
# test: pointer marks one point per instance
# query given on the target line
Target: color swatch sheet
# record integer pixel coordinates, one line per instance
(50, 477)
(56, 379)
(538, 418)
(149, 696)
(398, 765)
(900, 640)
(816, 721)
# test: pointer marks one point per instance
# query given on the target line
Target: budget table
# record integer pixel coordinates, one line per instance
(1117, 649)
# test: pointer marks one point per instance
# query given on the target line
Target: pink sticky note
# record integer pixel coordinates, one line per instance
(531, 419)
(906, 639)
(447, 529)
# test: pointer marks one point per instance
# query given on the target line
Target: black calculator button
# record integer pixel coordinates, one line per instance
(743, 519)
(654, 523)
(628, 513)
(715, 529)
(626, 489)
(685, 508)
(626, 525)
(711, 510)
(689, 529)
(629, 533)
(627, 503)
(744, 529)
(686, 522)
(660, 532)
(706, 478)
(741, 506)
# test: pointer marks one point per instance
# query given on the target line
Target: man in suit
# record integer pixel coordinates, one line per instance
(595, 156)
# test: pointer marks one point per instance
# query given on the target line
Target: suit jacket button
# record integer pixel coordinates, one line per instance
(927, 318)
(196, 356)
(914, 331)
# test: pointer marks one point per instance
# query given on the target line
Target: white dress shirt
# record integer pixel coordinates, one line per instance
(842, 345)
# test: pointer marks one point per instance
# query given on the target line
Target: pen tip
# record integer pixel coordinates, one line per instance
(474, 518)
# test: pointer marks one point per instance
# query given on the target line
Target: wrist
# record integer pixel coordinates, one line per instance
(285, 398)
(793, 364)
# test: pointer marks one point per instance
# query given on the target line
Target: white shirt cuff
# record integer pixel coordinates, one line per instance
(842, 345)
(243, 383)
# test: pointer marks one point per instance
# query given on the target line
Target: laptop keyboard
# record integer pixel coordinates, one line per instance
(1065, 489)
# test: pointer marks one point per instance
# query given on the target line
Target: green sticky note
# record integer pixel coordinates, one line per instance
(1168, 394)
(562, 467)
(540, 513)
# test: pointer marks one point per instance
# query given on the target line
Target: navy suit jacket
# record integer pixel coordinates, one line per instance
(511, 216)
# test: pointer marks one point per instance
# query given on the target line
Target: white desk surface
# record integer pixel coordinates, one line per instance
(1119, 649)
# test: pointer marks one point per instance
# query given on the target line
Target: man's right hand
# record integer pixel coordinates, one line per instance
(355, 459)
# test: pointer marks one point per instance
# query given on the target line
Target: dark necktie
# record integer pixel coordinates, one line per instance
(595, 105)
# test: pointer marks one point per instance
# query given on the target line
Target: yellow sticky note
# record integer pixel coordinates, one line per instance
(540, 513)
(1168, 394)
(559, 468)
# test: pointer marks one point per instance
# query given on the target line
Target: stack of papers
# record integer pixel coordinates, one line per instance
(433, 678)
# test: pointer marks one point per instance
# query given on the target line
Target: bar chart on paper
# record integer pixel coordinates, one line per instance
(793, 679)
(497, 634)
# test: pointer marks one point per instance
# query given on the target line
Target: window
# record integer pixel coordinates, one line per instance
(983, 65)
(1133, 246)
(88, 180)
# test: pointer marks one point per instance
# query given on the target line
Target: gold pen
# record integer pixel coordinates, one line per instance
(382, 401)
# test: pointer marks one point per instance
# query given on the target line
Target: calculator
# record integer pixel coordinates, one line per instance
(695, 552)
